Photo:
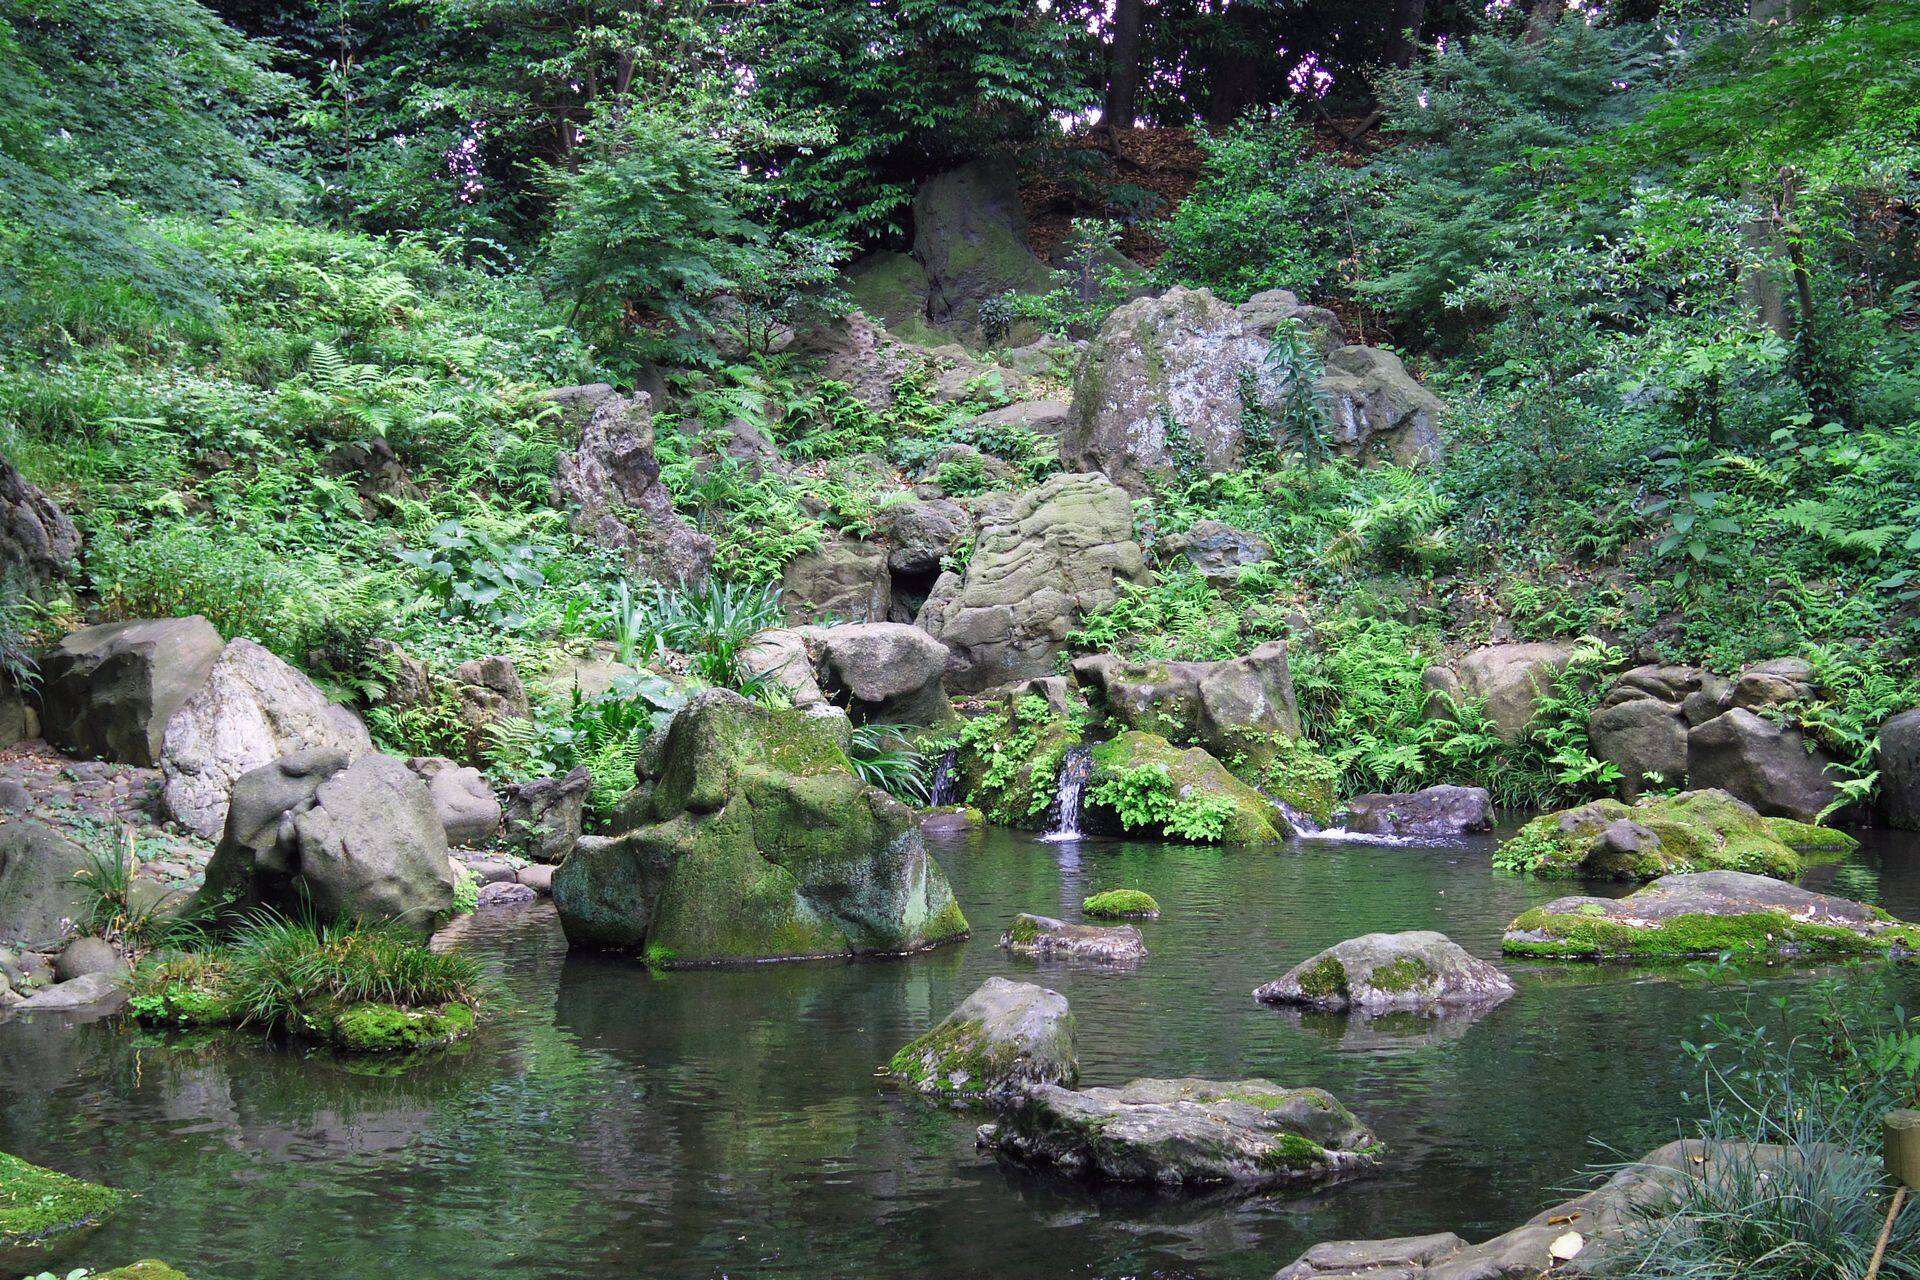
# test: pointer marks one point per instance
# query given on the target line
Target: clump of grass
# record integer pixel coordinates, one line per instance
(280, 972)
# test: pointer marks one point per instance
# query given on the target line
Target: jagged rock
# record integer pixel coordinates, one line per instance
(542, 818)
(1002, 1039)
(1771, 767)
(490, 692)
(1058, 692)
(1043, 560)
(1705, 830)
(36, 537)
(1377, 411)
(353, 841)
(468, 810)
(1233, 707)
(1042, 417)
(1186, 1133)
(919, 533)
(1433, 813)
(37, 886)
(611, 484)
(1897, 754)
(970, 236)
(252, 709)
(1263, 314)
(1045, 938)
(757, 841)
(1249, 818)
(108, 691)
(409, 681)
(1381, 971)
(1707, 913)
(843, 580)
(1509, 678)
(856, 351)
(1219, 551)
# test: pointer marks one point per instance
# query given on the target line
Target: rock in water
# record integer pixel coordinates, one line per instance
(1769, 766)
(1005, 1037)
(1705, 914)
(37, 886)
(1044, 559)
(757, 842)
(252, 709)
(1382, 971)
(1195, 778)
(1186, 1133)
(108, 691)
(1693, 831)
(1046, 938)
(1435, 813)
(36, 1203)
(1228, 707)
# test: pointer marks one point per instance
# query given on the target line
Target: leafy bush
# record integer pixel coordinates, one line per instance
(884, 756)
(470, 572)
(1143, 798)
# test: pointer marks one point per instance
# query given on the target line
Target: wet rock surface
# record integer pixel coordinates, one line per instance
(1382, 971)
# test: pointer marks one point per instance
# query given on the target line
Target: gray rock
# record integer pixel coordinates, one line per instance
(783, 657)
(611, 485)
(1042, 417)
(970, 236)
(18, 721)
(1643, 738)
(38, 891)
(36, 537)
(842, 580)
(1774, 683)
(504, 894)
(1048, 353)
(14, 797)
(1383, 971)
(1231, 707)
(882, 672)
(1263, 314)
(1219, 551)
(85, 957)
(1004, 1038)
(1043, 560)
(1186, 1133)
(1433, 813)
(536, 877)
(469, 812)
(1771, 767)
(542, 819)
(489, 870)
(856, 351)
(1045, 938)
(1399, 1258)
(96, 993)
(252, 709)
(919, 533)
(378, 474)
(1378, 412)
(109, 691)
(490, 692)
(1897, 754)
(1509, 679)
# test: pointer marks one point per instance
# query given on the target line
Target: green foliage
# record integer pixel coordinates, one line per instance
(1144, 798)
(1011, 759)
(470, 572)
(605, 734)
(1091, 281)
(884, 756)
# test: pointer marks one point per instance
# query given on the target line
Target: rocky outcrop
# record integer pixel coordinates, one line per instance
(1507, 679)
(1265, 312)
(1705, 914)
(754, 840)
(109, 691)
(468, 810)
(1771, 766)
(489, 692)
(1433, 813)
(1043, 560)
(1706, 830)
(970, 236)
(1378, 972)
(1185, 1133)
(38, 891)
(1897, 754)
(543, 817)
(611, 486)
(1044, 938)
(37, 540)
(1377, 412)
(881, 672)
(1232, 708)
(1219, 551)
(252, 709)
(1004, 1038)
(842, 580)
(311, 833)
(1241, 814)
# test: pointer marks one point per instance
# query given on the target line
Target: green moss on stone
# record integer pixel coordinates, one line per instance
(1196, 777)
(36, 1203)
(1291, 1151)
(1408, 973)
(385, 1028)
(1694, 831)
(1594, 936)
(148, 1269)
(1326, 980)
(1025, 928)
(952, 1061)
(1121, 904)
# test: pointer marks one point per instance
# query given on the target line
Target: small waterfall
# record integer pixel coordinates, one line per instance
(1069, 800)
(1302, 823)
(944, 784)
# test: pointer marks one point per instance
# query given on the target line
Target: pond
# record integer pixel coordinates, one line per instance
(616, 1123)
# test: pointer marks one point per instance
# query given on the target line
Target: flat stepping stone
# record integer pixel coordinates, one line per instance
(37, 1203)
(1377, 972)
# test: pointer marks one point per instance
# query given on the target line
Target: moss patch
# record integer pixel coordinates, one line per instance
(1325, 981)
(1594, 936)
(148, 1269)
(36, 1203)
(1694, 831)
(385, 1028)
(1195, 780)
(1408, 973)
(1122, 904)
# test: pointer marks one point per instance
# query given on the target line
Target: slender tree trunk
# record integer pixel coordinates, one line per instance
(1542, 18)
(1123, 76)
(1404, 40)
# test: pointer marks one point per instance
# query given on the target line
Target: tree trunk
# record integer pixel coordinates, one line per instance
(1123, 76)
(1542, 18)
(1404, 40)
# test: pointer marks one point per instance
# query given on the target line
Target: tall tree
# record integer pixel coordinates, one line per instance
(1124, 58)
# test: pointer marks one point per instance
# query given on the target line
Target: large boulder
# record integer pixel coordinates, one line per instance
(314, 833)
(756, 841)
(1195, 781)
(1002, 1039)
(1708, 913)
(1641, 725)
(1232, 708)
(36, 538)
(970, 236)
(1433, 813)
(108, 691)
(253, 709)
(611, 485)
(881, 672)
(1265, 312)
(1507, 679)
(490, 692)
(1378, 972)
(38, 891)
(543, 817)
(1219, 551)
(1186, 1133)
(1044, 938)
(1897, 753)
(1772, 767)
(1043, 560)
(842, 580)
(1705, 830)
(1378, 412)
(468, 810)
(892, 289)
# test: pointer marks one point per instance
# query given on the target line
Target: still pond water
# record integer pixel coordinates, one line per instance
(705, 1124)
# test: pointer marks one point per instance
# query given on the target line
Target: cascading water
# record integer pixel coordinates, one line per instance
(944, 784)
(1302, 824)
(1069, 799)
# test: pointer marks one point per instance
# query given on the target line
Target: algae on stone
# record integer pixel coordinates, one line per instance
(36, 1203)
(1693, 831)
(1122, 904)
(1194, 778)
(1004, 1037)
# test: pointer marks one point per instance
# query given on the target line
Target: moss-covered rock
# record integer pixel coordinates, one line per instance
(758, 842)
(1005, 1037)
(1122, 904)
(1382, 971)
(1043, 937)
(386, 1028)
(36, 1203)
(146, 1269)
(1201, 799)
(1693, 831)
(1705, 914)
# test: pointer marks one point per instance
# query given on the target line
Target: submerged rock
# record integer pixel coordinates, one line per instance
(1434, 813)
(1705, 914)
(1005, 1037)
(1122, 904)
(1186, 1133)
(756, 841)
(1046, 938)
(37, 1203)
(1381, 971)
(1693, 831)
